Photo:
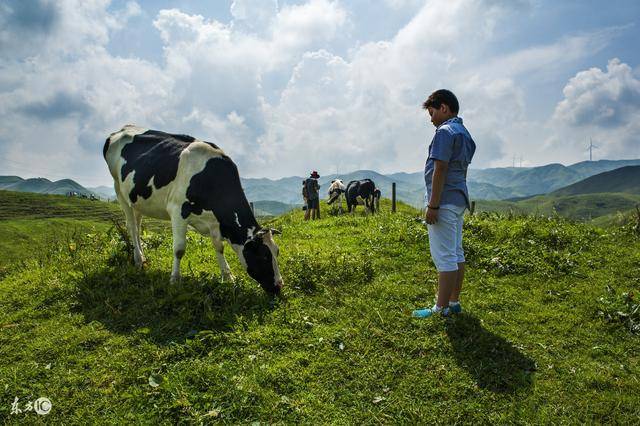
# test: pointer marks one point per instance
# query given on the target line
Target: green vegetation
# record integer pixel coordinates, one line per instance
(548, 335)
(582, 207)
(26, 205)
(624, 179)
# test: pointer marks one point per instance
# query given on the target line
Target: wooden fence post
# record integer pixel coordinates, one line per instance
(473, 208)
(393, 197)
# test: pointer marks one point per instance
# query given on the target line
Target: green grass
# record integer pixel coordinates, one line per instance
(548, 335)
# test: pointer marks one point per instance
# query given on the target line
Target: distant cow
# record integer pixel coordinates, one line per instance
(336, 190)
(189, 182)
(360, 192)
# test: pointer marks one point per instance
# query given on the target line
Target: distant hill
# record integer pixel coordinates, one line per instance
(590, 168)
(528, 181)
(42, 185)
(484, 184)
(272, 208)
(625, 179)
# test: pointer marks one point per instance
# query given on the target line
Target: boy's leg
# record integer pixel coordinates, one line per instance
(455, 293)
(447, 282)
(442, 244)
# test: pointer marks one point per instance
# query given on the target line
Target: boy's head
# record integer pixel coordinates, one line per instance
(441, 105)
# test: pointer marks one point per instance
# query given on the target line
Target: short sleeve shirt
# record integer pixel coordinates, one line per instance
(451, 143)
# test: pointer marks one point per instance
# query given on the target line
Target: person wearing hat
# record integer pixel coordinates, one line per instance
(311, 195)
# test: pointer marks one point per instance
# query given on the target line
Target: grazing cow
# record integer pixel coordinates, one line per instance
(189, 182)
(360, 192)
(336, 190)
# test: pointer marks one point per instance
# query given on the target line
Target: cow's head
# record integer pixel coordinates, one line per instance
(336, 186)
(260, 254)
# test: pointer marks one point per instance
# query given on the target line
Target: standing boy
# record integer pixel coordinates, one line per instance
(445, 175)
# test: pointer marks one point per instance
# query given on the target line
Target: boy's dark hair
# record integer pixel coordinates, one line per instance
(442, 96)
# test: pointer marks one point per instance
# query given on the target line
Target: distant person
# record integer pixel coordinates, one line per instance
(311, 196)
(445, 176)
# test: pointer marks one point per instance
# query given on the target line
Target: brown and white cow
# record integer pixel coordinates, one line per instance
(191, 183)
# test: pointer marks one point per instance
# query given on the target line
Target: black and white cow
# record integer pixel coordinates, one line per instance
(189, 182)
(336, 190)
(360, 192)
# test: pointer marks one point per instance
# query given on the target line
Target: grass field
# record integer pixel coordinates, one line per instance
(550, 333)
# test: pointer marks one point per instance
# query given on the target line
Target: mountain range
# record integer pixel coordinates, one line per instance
(505, 183)
(42, 186)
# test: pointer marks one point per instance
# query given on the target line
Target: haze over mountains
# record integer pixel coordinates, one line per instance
(508, 183)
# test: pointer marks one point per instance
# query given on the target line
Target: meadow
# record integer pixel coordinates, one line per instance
(550, 332)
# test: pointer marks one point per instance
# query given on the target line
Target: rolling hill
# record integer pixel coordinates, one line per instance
(42, 185)
(625, 180)
(484, 184)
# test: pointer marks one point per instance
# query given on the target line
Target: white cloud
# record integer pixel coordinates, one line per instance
(604, 106)
(271, 90)
(253, 15)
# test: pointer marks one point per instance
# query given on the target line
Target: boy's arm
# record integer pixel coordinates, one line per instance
(437, 184)
(439, 175)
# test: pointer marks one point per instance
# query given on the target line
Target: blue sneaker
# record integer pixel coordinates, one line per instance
(455, 309)
(427, 312)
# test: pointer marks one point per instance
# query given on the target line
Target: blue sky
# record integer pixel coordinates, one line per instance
(288, 86)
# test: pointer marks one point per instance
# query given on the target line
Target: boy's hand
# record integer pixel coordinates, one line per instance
(430, 216)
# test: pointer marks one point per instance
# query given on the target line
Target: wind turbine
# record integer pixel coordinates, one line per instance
(591, 146)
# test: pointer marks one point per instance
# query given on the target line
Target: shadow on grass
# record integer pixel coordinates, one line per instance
(493, 362)
(127, 301)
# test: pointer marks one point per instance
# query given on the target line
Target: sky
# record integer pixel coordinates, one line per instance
(286, 87)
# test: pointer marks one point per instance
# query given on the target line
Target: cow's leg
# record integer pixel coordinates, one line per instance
(132, 227)
(137, 242)
(179, 231)
(218, 245)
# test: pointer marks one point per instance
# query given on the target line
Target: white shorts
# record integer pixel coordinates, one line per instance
(445, 238)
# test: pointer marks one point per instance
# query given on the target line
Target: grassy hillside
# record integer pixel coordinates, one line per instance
(548, 336)
(624, 179)
(25, 205)
(582, 207)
